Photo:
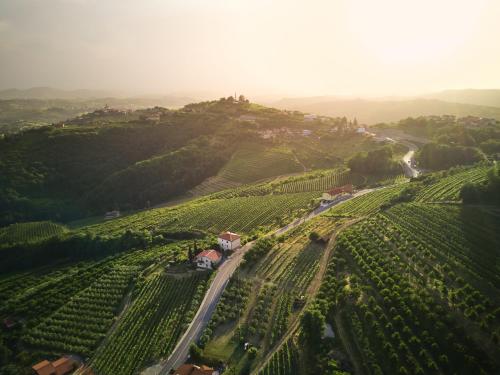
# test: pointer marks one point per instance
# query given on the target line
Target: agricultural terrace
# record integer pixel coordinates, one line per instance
(365, 204)
(448, 187)
(29, 232)
(416, 290)
(69, 307)
(239, 214)
(161, 310)
(281, 277)
(254, 162)
(284, 361)
(83, 321)
(317, 181)
(251, 162)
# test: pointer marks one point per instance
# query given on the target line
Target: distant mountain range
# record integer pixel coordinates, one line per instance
(481, 103)
(469, 96)
(114, 98)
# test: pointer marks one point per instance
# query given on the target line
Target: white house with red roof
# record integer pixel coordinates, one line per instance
(207, 259)
(229, 241)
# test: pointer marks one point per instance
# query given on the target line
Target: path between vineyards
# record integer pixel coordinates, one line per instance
(312, 290)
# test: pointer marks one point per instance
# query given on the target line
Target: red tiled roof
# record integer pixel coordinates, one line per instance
(341, 189)
(63, 365)
(229, 236)
(213, 255)
(44, 368)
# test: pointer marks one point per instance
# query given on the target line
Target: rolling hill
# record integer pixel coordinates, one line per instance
(376, 111)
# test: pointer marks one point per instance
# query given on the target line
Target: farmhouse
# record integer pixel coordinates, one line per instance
(188, 369)
(62, 366)
(334, 194)
(207, 259)
(229, 241)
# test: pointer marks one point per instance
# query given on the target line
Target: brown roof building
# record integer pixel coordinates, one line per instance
(229, 236)
(195, 370)
(44, 368)
(62, 366)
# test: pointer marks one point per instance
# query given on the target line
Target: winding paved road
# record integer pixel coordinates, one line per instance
(226, 270)
(207, 307)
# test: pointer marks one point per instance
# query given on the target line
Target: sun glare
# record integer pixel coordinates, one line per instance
(413, 32)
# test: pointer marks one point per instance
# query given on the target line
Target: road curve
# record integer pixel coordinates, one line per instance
(225, 271)
(212, 296)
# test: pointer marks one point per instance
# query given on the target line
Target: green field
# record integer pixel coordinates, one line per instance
(29, 232)
(365, 204)
(278, 279)
(418, 286)
(284, 361)
(161, 309)
(448, 187)
(239, 214)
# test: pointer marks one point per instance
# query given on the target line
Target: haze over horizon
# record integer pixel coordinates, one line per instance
(287, 48)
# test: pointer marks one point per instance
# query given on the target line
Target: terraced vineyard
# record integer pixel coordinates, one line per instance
(448, 188)
(29, 232)
(321, 183)
(285, 361)
(240, 214)
(418, 287)
(365, 204)
(254, 162)
(280, 281)
(160, 312)
(83, 321)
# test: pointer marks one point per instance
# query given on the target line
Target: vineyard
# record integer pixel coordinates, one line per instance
(448, 188)
(254, 162)
(313, 183)
(239, 214)
(29, 232)
(365, 204)
(280, 280)
(418, 287)
(69, 307)
(284, 361)
(162, 308)
(83, 321)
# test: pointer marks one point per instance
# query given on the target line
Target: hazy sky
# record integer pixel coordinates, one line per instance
(358, 47)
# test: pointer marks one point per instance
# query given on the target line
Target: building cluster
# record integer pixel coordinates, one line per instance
(472, 121)
(336, 194)
(208, 259)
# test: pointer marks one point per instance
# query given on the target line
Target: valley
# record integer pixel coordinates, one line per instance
(354, 258)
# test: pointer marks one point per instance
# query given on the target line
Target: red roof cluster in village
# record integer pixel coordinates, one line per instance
(229, 236)
(341, 189)
(213, 255)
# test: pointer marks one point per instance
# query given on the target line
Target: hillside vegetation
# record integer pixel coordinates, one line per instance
(108, 159)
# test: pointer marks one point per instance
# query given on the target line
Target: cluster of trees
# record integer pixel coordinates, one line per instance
(65, 174)
(488, 192)
(374, 162)
(443, 156)
(261, 247)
